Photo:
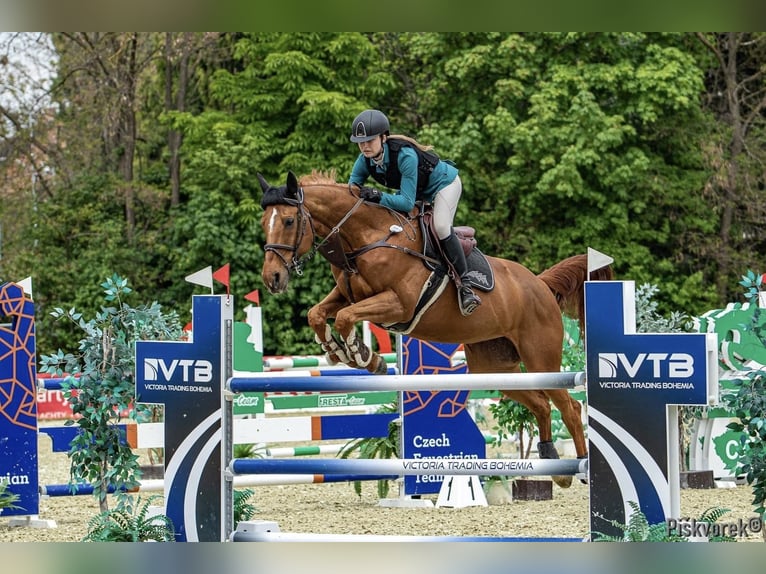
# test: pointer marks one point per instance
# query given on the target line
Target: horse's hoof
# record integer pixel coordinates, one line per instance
(381, 367)
(358, 352)
(562, 481)
(545, 449)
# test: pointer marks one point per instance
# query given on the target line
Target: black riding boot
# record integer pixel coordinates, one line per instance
(467, 299)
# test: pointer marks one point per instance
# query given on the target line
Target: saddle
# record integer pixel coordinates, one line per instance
(480, 274)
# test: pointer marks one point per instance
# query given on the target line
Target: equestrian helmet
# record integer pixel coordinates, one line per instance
(368, 125)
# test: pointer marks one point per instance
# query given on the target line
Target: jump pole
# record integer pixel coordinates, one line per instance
(412, 467)
(452, 382)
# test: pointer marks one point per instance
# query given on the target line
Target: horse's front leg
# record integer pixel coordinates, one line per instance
(318, 317)
(383, 307)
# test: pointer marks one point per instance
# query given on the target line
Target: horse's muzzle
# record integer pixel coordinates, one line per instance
(276, 282)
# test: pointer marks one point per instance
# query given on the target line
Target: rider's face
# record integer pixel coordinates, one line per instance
(371, 148)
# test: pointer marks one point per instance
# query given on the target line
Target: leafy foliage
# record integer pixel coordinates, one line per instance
(375, 447)
(131, 522)
(248, 450)
(711, 516)
(101, 385)
(8, 499)
(638, 528)
(748, 402)
(512, 418)
(243, 508)
(648, 318)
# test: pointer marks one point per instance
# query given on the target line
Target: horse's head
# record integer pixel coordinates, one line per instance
(287, 227)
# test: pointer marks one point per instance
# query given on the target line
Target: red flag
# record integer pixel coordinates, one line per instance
(254, 297)
(222, 276)
(382, 337)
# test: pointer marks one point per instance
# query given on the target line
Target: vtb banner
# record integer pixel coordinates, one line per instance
(634, 382)
(188, 377)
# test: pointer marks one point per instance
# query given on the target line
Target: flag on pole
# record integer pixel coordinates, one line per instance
(597, 260)
(222, 276)
(202, 277)
(254, 297)
(26, 286)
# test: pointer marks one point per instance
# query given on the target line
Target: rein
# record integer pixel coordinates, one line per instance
(330, 246)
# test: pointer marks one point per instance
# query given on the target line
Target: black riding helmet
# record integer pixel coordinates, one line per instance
(369, 125)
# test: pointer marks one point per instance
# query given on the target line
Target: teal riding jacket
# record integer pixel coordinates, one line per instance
(403, 199)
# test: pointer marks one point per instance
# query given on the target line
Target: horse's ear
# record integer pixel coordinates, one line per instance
(292, 185)
(264, 184)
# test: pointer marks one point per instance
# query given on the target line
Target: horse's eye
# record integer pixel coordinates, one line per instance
(289, 221)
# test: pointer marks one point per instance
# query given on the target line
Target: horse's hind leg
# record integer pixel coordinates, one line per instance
(571, 415)
(538, 404)
(501, 355)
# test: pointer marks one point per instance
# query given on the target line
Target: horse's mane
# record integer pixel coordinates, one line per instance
(317, 177)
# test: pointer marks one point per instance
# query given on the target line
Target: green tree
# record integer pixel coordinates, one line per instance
(101, 385)
(734, 154)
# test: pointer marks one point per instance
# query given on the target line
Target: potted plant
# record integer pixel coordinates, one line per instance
(104, 391)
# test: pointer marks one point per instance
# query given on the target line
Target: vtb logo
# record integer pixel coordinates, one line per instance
(673, 365)
(198, 371)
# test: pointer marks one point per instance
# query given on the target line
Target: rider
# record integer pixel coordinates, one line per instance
(401, 163)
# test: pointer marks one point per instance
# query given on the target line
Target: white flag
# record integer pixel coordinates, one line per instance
(202, 277)
(26, 285)
(597, 260)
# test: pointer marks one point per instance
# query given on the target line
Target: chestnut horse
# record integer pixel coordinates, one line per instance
(376, 259)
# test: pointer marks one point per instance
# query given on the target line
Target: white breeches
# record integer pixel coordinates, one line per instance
(445, 205)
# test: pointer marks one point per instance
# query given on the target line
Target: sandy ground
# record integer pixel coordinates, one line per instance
(336, 508)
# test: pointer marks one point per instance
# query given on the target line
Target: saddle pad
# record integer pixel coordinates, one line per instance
(480, 274)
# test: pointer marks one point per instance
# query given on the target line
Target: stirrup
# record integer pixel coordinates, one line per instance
(468, 300)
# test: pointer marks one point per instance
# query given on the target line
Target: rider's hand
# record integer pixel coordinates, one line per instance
(370, 194)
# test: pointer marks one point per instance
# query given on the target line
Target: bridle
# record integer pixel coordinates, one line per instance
(304, 218)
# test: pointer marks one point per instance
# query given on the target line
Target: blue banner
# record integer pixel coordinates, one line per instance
(436, 423)
(18, 404)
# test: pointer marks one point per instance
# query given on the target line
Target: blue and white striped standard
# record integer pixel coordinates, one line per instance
(413, 467)
(455, 382)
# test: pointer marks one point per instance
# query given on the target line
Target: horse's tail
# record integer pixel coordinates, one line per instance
(566, 279)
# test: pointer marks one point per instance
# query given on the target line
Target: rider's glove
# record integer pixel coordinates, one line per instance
(370, 194)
